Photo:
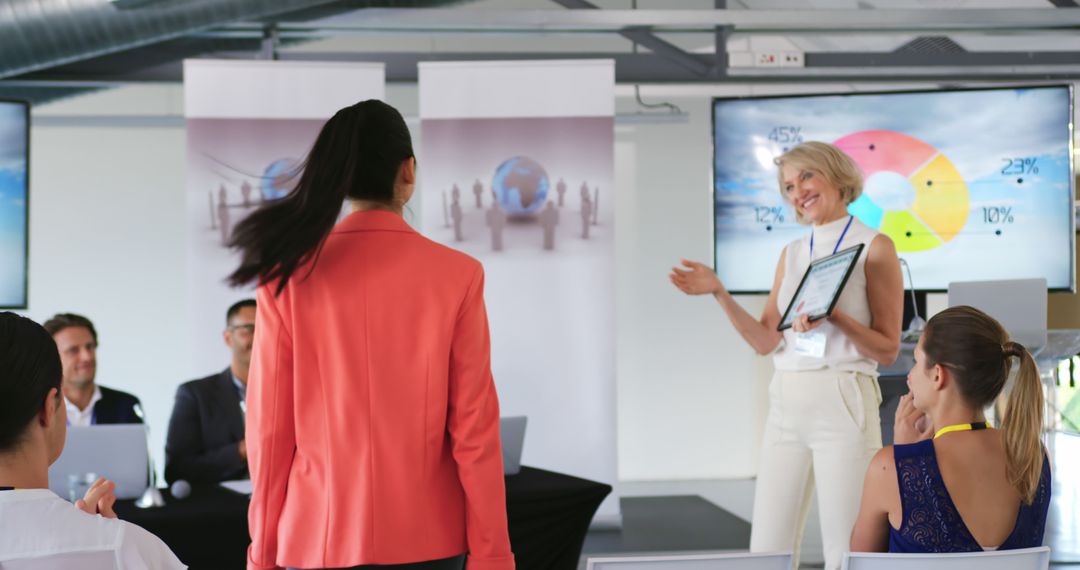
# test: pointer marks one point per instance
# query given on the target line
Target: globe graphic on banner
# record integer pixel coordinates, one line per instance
(520, 185)
(913, 193)
(278, 179)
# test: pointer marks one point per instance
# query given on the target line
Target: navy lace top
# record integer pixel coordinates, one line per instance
(931, 522)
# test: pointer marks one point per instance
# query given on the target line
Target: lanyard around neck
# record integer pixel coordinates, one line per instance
(963, 427)
(838, 242)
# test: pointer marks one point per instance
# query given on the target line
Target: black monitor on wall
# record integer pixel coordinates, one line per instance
(14, 203)
(970, 184)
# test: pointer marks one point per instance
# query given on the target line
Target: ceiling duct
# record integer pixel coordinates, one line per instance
(41, 34)
(931, 45)
(133, 3)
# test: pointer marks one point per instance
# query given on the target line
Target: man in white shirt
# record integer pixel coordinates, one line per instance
(34, 522)
(87, 402)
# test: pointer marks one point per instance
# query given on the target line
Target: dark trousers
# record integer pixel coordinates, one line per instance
(452, 563)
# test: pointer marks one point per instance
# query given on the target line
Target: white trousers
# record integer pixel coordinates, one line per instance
(823, 426)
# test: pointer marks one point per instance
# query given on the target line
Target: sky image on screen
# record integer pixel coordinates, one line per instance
(969, 184)
(13, 204)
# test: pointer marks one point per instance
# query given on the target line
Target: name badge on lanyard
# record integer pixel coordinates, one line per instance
(812, 344)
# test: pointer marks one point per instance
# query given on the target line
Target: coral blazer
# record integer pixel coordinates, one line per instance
(372, 418)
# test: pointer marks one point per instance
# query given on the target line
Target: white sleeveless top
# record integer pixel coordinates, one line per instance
(840, 353)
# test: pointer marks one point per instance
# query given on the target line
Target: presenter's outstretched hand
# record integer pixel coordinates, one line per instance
(99, 499)
(911, 425)
(695, 279)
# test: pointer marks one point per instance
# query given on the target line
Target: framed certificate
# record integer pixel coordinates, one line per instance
(820, 287)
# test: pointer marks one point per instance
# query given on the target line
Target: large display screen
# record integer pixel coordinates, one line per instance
(970, 184)
(14, 163)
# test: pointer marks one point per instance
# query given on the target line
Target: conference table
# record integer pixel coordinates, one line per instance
(548, 515)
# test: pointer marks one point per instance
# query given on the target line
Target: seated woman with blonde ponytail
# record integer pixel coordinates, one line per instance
(958, 485)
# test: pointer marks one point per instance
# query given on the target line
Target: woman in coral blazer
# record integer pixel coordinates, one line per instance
(372, 418)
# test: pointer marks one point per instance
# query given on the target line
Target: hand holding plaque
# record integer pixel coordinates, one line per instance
(820, 288)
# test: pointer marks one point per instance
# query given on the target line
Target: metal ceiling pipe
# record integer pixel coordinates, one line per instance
(39, 34)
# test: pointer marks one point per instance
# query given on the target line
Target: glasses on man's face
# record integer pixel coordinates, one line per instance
(247, 329)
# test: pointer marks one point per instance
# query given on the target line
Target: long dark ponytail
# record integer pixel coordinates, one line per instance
(357, 155)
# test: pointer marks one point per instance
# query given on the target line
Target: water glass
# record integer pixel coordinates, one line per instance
(79, 484)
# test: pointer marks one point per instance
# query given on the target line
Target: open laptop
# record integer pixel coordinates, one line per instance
(1018, 304)
(117, 452)
(512, 433)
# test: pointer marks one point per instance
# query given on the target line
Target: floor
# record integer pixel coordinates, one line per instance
(681, 516)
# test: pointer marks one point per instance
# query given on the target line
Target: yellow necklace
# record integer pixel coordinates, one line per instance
(962, 427)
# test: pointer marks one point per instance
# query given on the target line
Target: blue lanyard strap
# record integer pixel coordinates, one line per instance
(838, 242)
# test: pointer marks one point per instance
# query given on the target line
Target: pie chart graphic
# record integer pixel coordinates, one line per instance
(913, 193)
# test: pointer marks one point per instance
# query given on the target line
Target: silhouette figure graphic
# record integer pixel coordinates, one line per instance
(549, 219)
(478, 191)
(586, 216)
(223, 215)
(245, 191)
(496, 220)
(457, 215)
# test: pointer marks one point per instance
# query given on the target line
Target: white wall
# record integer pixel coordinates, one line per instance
(687, 405)
(107, 240)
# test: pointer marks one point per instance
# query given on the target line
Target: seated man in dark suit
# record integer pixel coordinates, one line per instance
(87, 402)
(206, 432)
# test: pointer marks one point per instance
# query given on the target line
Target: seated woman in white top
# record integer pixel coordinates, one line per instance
(34, 522)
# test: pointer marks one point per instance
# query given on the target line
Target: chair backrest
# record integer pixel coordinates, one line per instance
(87, 560)
(1020, 559)
(695, 561)
(512, 435)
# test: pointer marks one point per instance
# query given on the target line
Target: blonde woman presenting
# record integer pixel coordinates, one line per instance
(823, 426)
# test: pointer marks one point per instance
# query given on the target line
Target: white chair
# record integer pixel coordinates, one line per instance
(1020, 559)
(696, 561)
(86, 560)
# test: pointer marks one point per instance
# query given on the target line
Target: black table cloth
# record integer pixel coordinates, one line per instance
(548, 513)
